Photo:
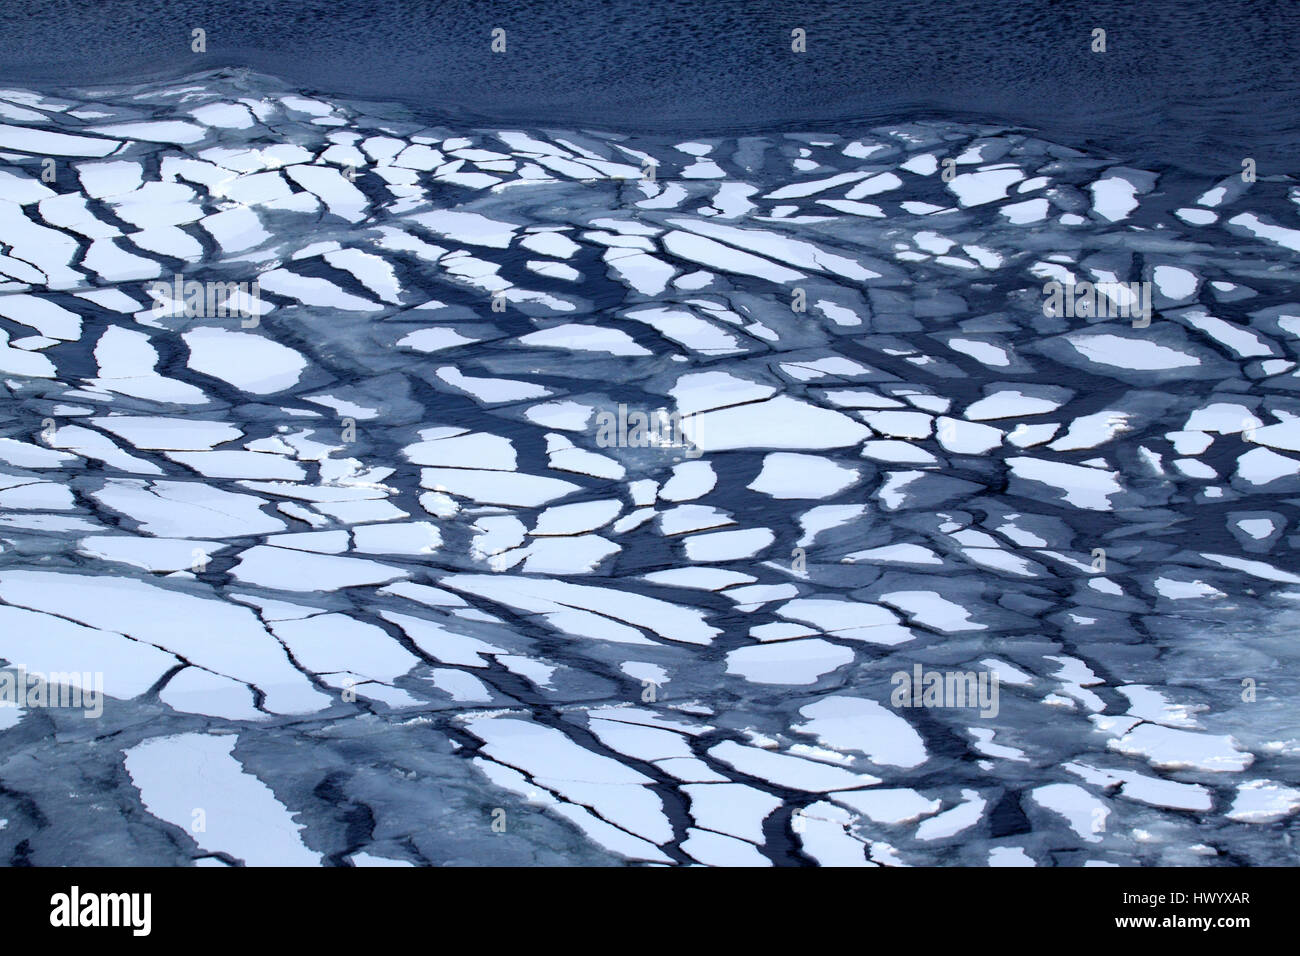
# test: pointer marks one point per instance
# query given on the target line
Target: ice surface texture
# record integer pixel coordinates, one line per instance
(363, 580)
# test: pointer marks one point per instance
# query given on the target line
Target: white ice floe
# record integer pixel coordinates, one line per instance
(235, 230)
(337, 643)
(562, 455)
(19, 362)
(434, 340)
(69, 211)
(46, 643)
(495, 487)
(48, 250)
(372, 271)
(187, 509)
(437, 640)
(896, 554)
(824, 835)
(464, 450)
(1174, 283)
(1085, 813)
(114, 264)
(788, 662)
(468, 227)
(953, 821)
(1089, 431)
(728, 545)
(23, 455)
(577, 518)
(702, 391)
(1257, 528)
(152, 554)
(1196, 217)
(869, 210)
(314, 291)
(693, 332)
(1257, 569)
(818, 368)
(403, 537)
(175, 132)
(848, 620)
(794, 252)
(1264, 801)
(690, 480)
(732, 199)
(824, 517)
(1153, 791)
(341, 197)
(1009, 403)
(930, 609)
(1120, 351)
(784, 770)
(984, 185)
(967, 438)
(1243, 342)
(196, 691)
(22, 189)
(735, 809)
(1168, 748)
(642, 272)
(250, 362)
(224, 638)
(590, 611)
(858, 724)
(705, 579)
(550, 243)
(1084, 487)
(1290, 238)
(790, 475)
(897, 452)
(613, 790)
(1113, 198)
(223, 115)
(1285, 435)
(554, 270)
(781, 422)
(881, 183)
(491, 390)
(241, 816)
(1023, 213)
(1224, 418)
(688, 518)
(234, 463)
(715, 255)
(812, 187)
(45, 143)
(92, 444)
(893, 807)
(923, 164)
(1155, 704)
(585, 338)
(1259, 466)
(290, 570)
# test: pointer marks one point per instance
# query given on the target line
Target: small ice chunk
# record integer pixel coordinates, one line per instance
(250, 362)
(790, 475)
(984, 185)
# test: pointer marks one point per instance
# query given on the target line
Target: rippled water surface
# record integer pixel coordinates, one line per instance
(1192, 85)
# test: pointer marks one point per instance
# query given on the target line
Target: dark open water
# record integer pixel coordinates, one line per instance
(1195, 86)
